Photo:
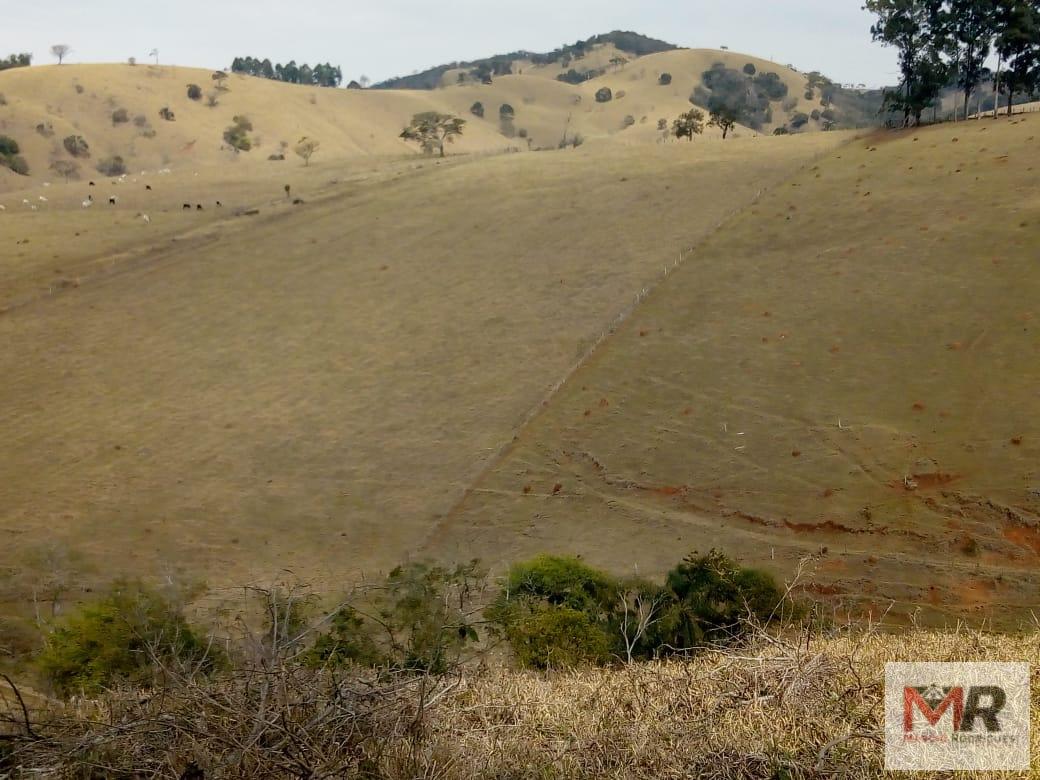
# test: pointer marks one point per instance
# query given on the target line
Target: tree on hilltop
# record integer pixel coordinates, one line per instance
(1018, 43)
(61, 51)
(971, 26)
(431, 130)
(916, 29)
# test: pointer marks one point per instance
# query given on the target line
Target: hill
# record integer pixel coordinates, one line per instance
(310, 387)
(828, 375)
(118, 110)
(632, 44)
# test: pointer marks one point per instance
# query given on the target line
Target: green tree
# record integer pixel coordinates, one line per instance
(971, 25)
(16, 61)
(722, 116)
(916, 29)
(689, 124)
(432, 130)
(1018, 42)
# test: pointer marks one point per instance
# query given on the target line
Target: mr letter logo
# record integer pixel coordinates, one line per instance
(942, 716)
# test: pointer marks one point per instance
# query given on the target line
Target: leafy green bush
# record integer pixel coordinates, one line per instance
(544, 636)
(604, 95)
(477, 109)
(112, 166)
(194, 92)
(815, 114)
(8, 146)
(665, 79)
(715, 595)
(505, 111)
(76, 145)
(750, 69)
(237, 135)
(123, 637)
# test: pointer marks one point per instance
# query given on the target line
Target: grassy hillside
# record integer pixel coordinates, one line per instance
(45, 105)
(844, 370)
(224, 397)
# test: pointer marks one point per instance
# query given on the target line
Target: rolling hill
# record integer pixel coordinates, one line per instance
(116, 110)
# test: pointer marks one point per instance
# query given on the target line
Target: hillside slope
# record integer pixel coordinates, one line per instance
(310, 387)
(45, 105)
(847, 371)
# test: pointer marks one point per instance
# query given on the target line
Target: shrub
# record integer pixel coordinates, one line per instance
(506, 111)
(750, 69)
(140, 121)
(167, 114)
(522, 132)
(8, 146)
(829, 115)
(3, 99)
(477, 109)
(76, 145)
(46, 129)
(662, 124)
(16, 163)
(715, 595)
(815, 114)
(604, 95)
(119, 638)
(770, 85)
(619, 94)
(799, 120)
(782, 130)
(67, 169)
(809, 94)
(423, 621)
(120, 116)
(665, 79)
(628, 121)
(79, 89)
(237, 136)
(700, 96)
(554, 637)
(194, 92)
(112, 166)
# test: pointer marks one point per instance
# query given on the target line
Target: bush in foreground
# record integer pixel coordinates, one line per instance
(127, 636)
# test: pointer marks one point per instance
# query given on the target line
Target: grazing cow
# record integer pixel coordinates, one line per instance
(186, 207)
(92, 184)
(88, 203)
(198, 207)
(113, 200)
(148, 187)
(219, 204)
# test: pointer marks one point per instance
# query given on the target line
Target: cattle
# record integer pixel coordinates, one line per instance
(113, 200)
(186, 207)
(148, 187)
(198, 207)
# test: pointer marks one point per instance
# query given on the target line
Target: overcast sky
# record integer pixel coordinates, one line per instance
(384, 38)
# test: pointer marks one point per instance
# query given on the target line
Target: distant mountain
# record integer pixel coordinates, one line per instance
(502, 64)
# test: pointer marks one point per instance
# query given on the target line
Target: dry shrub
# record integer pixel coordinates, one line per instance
(798, 706)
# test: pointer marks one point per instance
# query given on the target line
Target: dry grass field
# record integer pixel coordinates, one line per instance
(848, 369)
(219, 397)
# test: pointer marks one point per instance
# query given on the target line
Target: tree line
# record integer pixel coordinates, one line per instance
(320, 75)
(949, 41)
(23, 60)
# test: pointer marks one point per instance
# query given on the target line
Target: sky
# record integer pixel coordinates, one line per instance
(385, 38)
